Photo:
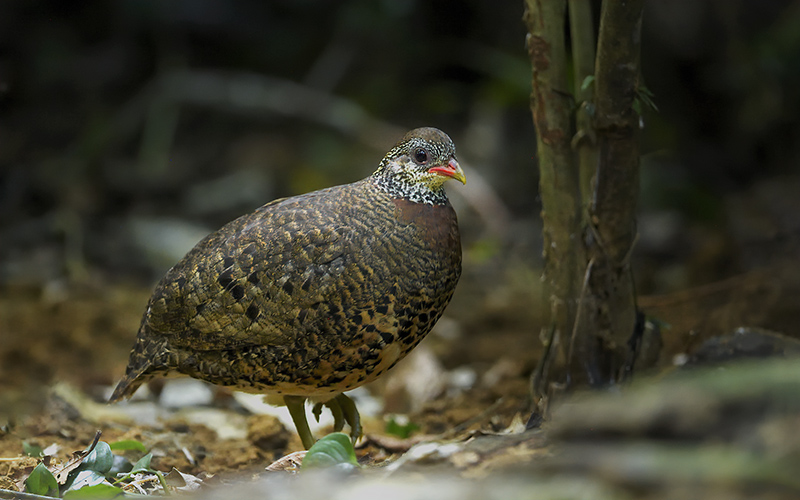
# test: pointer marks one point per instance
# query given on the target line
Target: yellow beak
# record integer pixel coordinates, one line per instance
(451, 170)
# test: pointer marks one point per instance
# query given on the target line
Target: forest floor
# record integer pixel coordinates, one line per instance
(456, 409)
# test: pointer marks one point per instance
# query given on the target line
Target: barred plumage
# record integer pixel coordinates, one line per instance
(313, 295)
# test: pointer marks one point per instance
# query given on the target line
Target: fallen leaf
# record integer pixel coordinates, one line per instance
(288, 463)
(74, 462)
(180, 481)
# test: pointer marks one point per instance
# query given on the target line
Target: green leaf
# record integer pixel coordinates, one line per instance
(100, 459)
(32, 450)
(41, 482)
(587, 82)
(644, 95)
(128, 444)
(143, 464)
(121, 465)
(637, 106)
(333, 449)
(102, 490)
(402, 431)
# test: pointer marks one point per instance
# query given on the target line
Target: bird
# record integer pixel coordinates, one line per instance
(313, 295)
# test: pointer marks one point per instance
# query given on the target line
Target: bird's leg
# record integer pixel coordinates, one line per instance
(342, 408)
(338, 416)
(336, 411)
(348, 409)
(298, 413)
(317, 411)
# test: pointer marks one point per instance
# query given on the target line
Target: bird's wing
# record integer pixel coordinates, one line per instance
(260, 280)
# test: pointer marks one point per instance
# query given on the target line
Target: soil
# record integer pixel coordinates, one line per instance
(66, 351)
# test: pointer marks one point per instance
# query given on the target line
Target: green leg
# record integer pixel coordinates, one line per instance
(336, 411)
(351, 416)
(317, 411)
(338, 416)
(298, 413)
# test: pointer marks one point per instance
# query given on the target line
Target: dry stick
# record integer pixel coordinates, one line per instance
(579, 312)
(75, 460)
(19, 495)
(258, 95)
(472, 420)
(541, 371)
(255, 93)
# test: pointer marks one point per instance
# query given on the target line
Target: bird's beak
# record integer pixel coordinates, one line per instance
(451, 170)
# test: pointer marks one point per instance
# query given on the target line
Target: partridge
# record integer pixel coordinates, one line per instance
(314, 295)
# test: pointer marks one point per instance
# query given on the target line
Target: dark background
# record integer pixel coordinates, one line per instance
(97, 153)
(130, 129)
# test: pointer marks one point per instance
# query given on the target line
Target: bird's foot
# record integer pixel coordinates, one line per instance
(342, 408)
(336, 411)
(344, 411)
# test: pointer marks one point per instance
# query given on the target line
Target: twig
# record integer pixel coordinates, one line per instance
(19, 495)
(586, 276)
(61, 473)
(540, 373)
(477, 418)
(259, 95)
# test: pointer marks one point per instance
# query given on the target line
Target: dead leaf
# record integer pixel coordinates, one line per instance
(51, 450)
(394, 444)
(180, 481)
(288, 463)
(62, 473)
(21, 470)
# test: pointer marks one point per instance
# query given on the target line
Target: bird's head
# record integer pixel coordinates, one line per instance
(417, 167)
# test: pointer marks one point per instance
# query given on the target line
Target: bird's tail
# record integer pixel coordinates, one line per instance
(148, 359)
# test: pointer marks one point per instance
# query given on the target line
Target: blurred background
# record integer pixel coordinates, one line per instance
(131, 129)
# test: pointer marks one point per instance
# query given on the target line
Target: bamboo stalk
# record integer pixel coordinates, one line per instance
(558, 180)
(582, 36)
(612, 211)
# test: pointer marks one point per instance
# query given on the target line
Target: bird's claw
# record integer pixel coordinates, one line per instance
(336, 411)
(342, 408)
(349, 412)
(317, 411)
(344, 411)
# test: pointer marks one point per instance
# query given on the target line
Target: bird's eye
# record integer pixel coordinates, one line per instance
(421, 156)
